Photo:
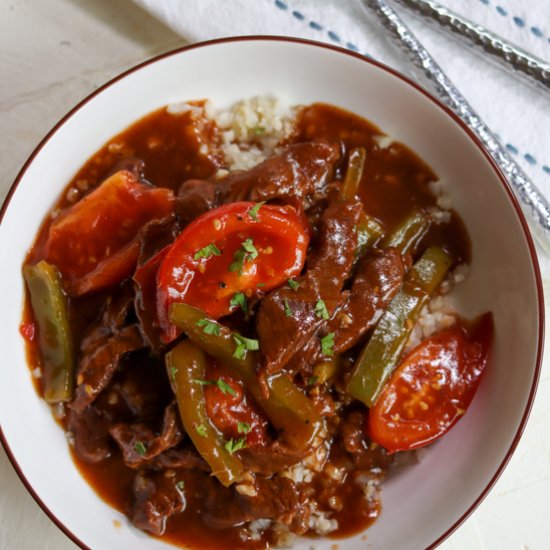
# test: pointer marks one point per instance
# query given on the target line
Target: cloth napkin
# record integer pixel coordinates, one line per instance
(515, 111)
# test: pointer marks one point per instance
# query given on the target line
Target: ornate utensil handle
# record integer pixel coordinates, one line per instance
(535, 205)
(535, 71)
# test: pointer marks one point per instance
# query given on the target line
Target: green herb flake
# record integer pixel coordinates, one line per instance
(207, 252)
(202, 382)
(209, 327)
(243, 428)
(312, 380)
(288, 309)
(362, 236)
(294, 285)
(321, 310)
(259, 130)
(248, 245)
(259, 285)
(327, 344)
(201, 430)
(253, 212)
(173, 372)
(246, 252)
(225, 388)
(140, 448)
(232, 446)
(239, 300)
(180, 485)
(244, 345)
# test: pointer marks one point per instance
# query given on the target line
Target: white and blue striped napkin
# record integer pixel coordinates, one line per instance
(517, 113)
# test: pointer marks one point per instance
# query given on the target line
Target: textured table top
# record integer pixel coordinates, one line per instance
(55, 52)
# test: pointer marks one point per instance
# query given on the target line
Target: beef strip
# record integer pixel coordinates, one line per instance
(157, 497)
(90, 431)
(139, 443)
(155, 238)
(300, 170)
(270, 459)
(97, 367)
(182, 458)
(281, 336)
(276, 498)
(378, 279)
(366, 457)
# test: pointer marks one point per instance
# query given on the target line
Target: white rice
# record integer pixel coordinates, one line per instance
(440, 312)
(251, 129)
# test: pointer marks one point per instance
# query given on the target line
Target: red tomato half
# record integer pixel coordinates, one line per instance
(93, 243)
(279, 235)
(432, 388)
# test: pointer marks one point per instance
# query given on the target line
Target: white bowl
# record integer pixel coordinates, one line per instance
(422, 504)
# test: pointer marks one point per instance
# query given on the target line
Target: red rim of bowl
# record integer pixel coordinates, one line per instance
(440, 105)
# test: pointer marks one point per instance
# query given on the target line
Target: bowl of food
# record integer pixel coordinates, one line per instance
(263, 292)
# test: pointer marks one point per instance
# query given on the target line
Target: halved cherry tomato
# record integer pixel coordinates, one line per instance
(230, 410)
(93, 243)
(228, 250)
(432, 388)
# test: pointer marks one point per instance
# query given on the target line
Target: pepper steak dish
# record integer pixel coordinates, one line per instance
(241, 320)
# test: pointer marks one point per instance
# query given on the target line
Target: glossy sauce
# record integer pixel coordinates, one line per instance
(394, 181)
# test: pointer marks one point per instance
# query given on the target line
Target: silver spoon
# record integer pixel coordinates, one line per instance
(535, 205)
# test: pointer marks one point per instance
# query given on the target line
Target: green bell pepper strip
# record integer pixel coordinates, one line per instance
(381, 354)
(184, 364)
(49, 305)
(354, 173)
(406, 236)
(286, 406)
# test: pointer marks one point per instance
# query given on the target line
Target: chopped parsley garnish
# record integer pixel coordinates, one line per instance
(260, 285)
(232, 446)
(180, 485)
(362, 236)
(321, 310)
(140, 448)
(294, 285)
(327, 344)
(209, 327)
(243, 428)
(223, 386)
(239, 300)
(244, 345)
(207, 252)
(288, 310)
(259, 130)
(246, 252)
(173, 372)
(312, 380)
(253, 212)
(201, 430)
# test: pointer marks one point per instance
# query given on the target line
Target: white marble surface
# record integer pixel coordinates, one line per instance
(52, 54)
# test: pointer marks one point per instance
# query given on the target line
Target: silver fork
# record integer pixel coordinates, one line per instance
(535, 205)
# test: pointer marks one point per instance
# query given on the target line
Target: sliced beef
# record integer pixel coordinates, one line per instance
(183, 459)
(300, 170)
(155, 239)
(281, 335)
(134, 165)
(271, 459)
(366, 457)
(155, 235)
(90, 431)
(378, 279)
(98, 365)
(139, 443)
(156, 498)
(276, 498)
